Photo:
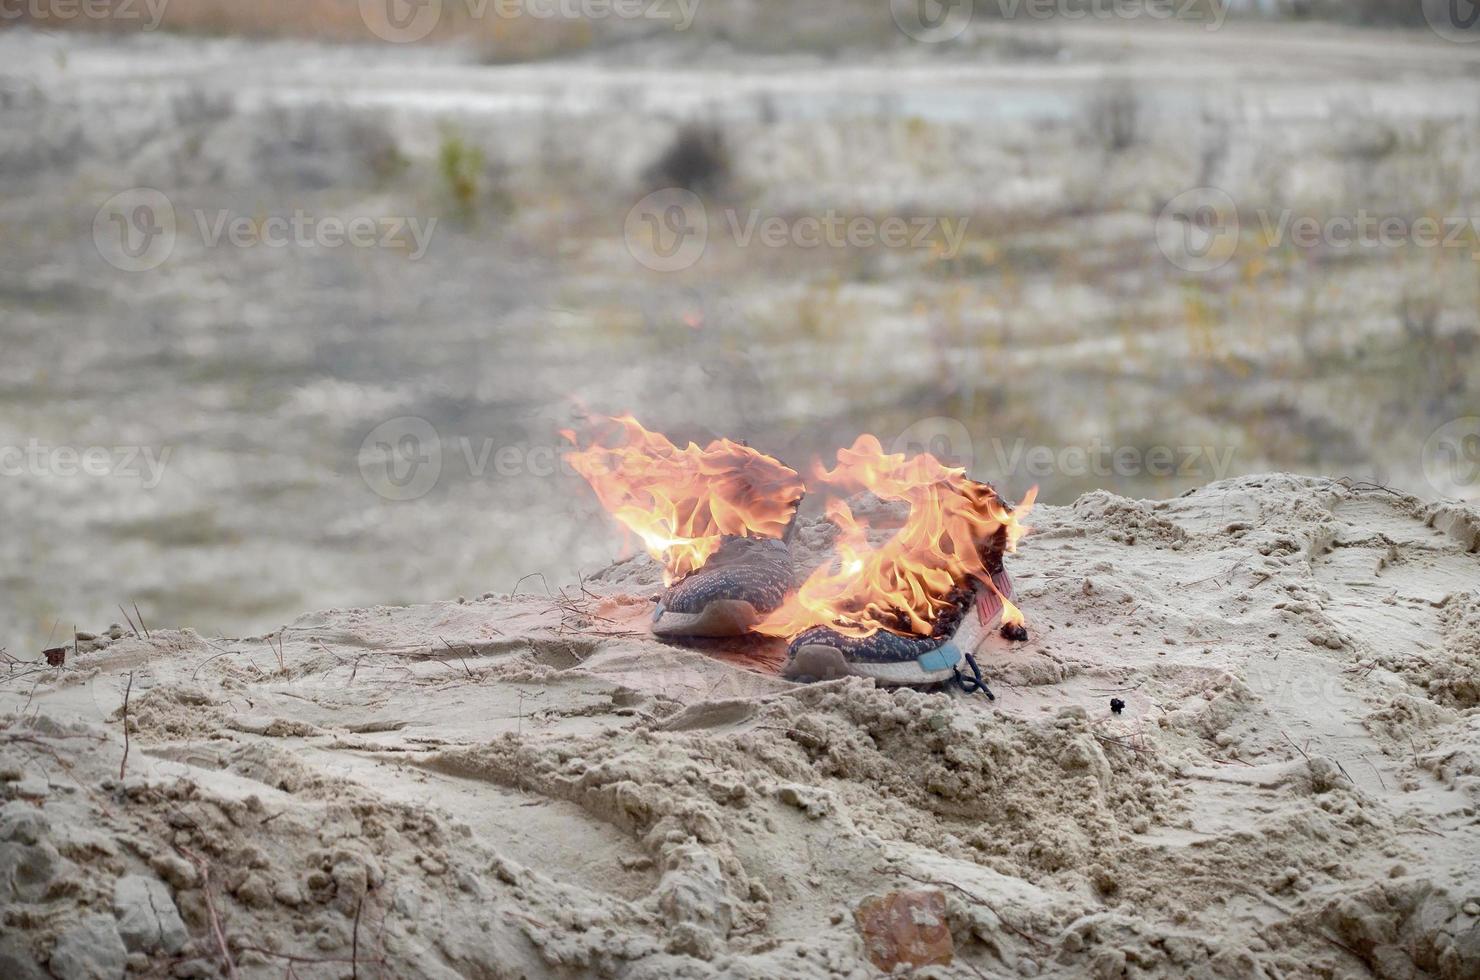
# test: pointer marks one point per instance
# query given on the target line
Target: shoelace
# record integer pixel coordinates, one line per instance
(975, 682)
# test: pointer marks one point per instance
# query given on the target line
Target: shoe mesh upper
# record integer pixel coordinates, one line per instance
(756, 570)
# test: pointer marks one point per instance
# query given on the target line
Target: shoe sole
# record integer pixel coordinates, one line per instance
(819, 662)
(720, 618)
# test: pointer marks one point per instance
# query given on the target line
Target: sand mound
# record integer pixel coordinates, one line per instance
(532, 785)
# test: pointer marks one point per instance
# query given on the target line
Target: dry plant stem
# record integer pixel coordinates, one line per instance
(538, 575)
(277, 651)
(353, 960)
(354, 947)
(216, 930)
(1307, 759)
(123, 763)
(130, 621)
(214, 656)
(460, 657)
(295, 958)
(37, 739)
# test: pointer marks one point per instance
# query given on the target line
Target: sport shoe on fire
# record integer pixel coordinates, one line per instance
(741, 582)
(974, 612)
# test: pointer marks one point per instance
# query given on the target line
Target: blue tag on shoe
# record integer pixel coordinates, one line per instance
(941, 658)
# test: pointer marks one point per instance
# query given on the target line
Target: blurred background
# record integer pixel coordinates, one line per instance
(295, 294)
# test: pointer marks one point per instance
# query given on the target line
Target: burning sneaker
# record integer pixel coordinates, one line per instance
(971, 613)
(914, 609)
(717, 519)
(739, 584)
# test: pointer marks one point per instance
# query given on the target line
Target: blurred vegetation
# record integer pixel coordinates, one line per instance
(1057, 323)
(461, 168)
(697, 160)
(827, 27)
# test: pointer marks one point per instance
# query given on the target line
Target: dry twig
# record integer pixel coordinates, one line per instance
(216, 931)
(278, 652)
(460, 657)
(123, 764)
(130, 621)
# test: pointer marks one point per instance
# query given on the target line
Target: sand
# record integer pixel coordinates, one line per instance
(531, 785)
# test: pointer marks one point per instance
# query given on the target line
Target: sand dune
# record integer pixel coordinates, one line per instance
(532, 785)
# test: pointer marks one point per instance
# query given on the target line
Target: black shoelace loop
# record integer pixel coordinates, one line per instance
(975, 682)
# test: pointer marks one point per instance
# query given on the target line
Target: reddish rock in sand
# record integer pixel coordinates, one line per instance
(905, 927)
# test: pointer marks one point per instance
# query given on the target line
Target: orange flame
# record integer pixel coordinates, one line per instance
(901, 585)
(681, 502)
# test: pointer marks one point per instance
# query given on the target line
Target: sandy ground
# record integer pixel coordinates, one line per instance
(531, 785)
